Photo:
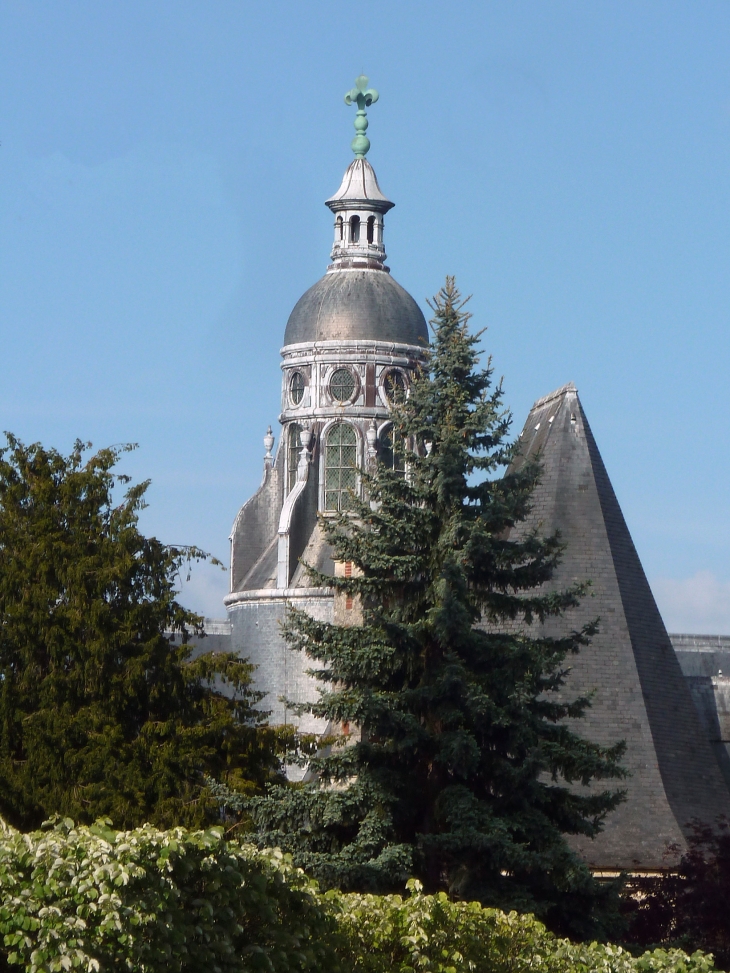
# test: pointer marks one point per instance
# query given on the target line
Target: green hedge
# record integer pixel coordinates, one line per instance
(154, 901)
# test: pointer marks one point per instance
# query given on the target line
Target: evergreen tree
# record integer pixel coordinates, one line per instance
(465, 770)
(101, 711)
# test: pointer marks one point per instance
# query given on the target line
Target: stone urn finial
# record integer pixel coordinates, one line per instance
(371, 435)
(268, 446)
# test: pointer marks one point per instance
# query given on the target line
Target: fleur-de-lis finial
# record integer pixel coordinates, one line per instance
(363, 97)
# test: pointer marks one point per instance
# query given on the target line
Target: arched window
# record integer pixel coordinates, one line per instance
(394, 385)
(293, 452)
(371, 229)
(354, 229)
(339, 228)
(340, 467)
(392, 452)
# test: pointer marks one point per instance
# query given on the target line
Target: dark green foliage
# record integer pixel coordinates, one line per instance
(468, 773)
(100, 713)
(689, 907)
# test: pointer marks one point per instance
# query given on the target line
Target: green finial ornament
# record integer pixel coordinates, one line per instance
(363, 97)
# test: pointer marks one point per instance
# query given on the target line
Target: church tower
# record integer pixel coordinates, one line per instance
(350, 344)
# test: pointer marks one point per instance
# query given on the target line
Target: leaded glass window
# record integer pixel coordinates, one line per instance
(340, 467)
(392, 452)
(296, 387)
(295, 448)
(342, 384)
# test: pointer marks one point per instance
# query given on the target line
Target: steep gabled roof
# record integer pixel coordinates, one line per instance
(641, 695)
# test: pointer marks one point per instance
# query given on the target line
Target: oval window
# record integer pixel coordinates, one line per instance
(296, 387)
(342, 385)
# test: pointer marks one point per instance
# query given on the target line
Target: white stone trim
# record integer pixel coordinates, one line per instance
(343, 348)
(285, 518)
(275, 594)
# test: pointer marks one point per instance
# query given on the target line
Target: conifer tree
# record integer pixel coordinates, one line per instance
(465, 770)
(102, 713)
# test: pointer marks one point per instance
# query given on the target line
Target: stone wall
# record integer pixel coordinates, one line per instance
(256, 633)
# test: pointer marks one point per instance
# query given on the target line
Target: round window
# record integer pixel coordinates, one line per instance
(394, 385)
(342, 385)
(296, 387)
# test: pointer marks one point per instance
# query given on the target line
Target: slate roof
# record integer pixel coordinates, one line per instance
(640, 693)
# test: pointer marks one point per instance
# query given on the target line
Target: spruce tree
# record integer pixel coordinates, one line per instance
(103, 712)
(465, 769)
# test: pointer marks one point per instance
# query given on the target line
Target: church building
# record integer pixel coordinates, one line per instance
(351, 342)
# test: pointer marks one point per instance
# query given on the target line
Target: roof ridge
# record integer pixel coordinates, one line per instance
(563, 390)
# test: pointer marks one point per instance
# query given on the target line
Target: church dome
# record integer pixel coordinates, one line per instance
(350, 305)
(357, 299)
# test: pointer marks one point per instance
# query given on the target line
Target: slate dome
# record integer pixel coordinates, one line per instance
(348, 305)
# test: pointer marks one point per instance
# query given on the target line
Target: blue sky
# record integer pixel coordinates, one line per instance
(163, 167)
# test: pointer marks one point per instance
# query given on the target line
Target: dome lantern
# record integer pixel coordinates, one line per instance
(357, 299)
(359, 204)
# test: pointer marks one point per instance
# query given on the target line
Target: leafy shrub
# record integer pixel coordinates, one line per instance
(149, 901)
(88, 898)
(429, 933)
